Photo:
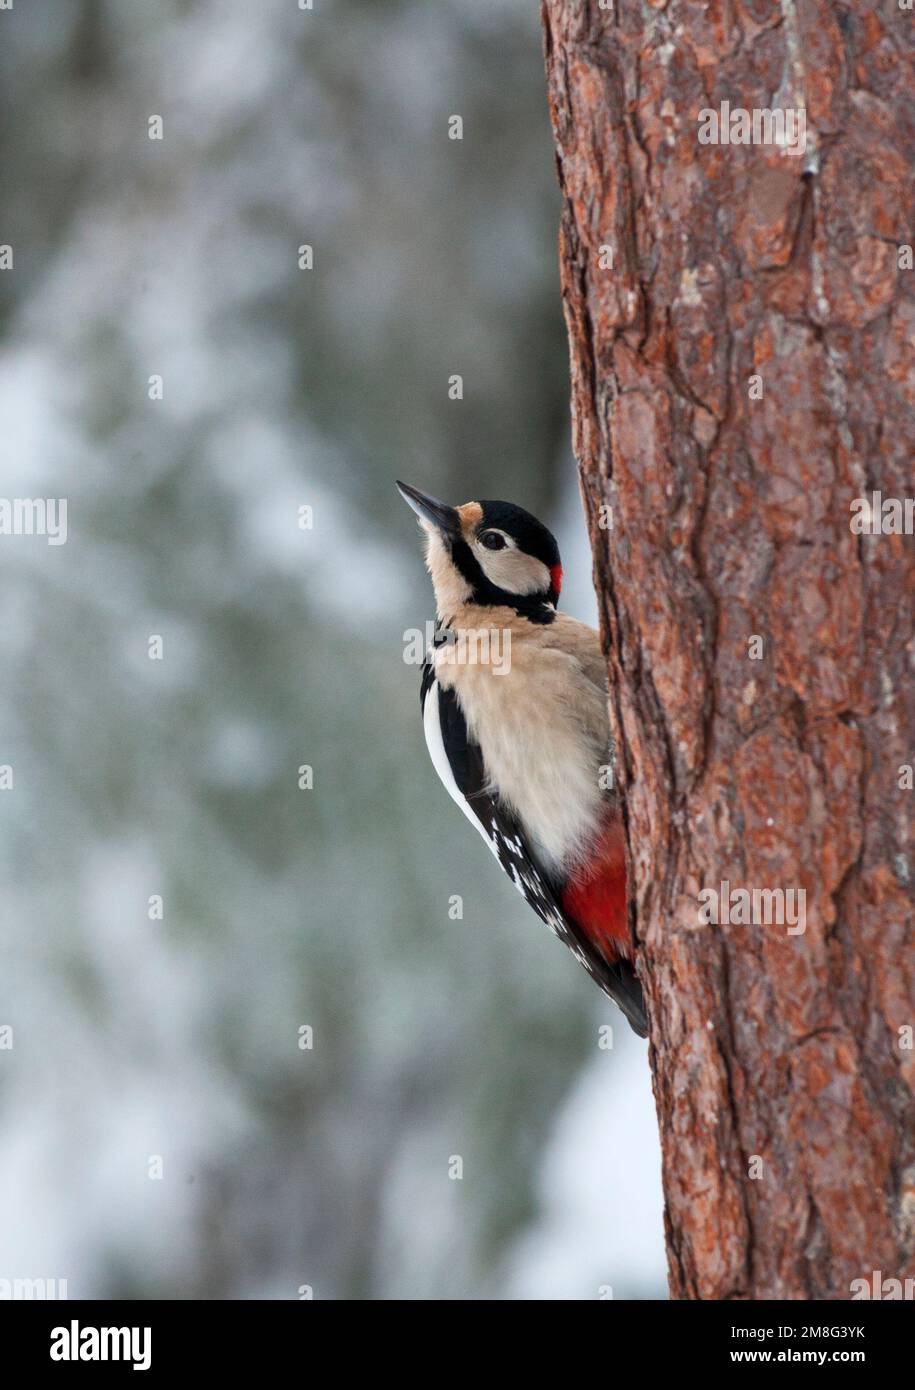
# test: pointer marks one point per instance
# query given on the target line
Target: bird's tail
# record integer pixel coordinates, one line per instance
(624, 988)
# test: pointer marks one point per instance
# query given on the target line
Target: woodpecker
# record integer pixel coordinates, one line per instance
(514, 703)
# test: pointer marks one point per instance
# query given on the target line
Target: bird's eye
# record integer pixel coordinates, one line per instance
(492, 540)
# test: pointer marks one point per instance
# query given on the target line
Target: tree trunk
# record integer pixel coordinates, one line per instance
(741, 374)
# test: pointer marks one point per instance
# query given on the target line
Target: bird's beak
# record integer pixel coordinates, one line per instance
(430, 511)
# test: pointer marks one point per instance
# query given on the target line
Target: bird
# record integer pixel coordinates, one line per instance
(515, 712)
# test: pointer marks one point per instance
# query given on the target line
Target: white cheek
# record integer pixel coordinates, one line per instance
(513, 571)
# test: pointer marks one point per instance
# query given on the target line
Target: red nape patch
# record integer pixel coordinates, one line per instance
(556, 577)
(596, 897)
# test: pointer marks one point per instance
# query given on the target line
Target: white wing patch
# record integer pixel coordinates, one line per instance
(509, 850)
(432, 727)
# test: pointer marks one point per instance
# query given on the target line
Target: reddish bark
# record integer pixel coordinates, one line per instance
(731, 518)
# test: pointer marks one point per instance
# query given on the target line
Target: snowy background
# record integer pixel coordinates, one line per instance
(144, 1045)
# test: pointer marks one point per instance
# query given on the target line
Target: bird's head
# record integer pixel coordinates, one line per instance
(490, 553)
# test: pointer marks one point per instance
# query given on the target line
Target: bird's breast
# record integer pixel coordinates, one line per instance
(543, 731)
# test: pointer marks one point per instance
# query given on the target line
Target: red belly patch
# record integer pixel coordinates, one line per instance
(595, 897)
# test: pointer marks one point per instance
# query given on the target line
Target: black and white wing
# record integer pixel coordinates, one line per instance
(459, 763)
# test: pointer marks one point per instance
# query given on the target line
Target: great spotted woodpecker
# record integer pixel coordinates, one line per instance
(514, 700)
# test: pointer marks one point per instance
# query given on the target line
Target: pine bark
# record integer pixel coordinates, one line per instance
(783, 1067)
